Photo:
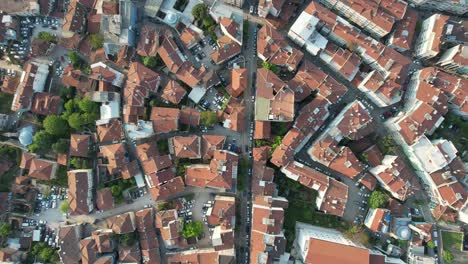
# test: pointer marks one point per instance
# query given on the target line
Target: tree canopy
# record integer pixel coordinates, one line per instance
(448, 256)
(193, 229)
(96, 41)
(42, 141)
(378, 199)
(199, 11)
(44, 252)
(56, 126)
(270, 66)
(5, 229)
(62, 146)
(46, 36)
(64, 206)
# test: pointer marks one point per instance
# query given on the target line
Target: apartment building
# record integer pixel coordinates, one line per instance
(375, 17)
(430, 37)
(455, 60)
(458, 7)
(320, 245)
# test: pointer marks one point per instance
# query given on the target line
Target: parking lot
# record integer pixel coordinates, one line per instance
(47, 207)
(202, 52)
(213, 100)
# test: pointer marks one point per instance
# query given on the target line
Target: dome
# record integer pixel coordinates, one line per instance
(171, 18)
(26, 136)
(404, 232)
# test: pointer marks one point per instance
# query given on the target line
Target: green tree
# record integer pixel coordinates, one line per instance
(150, 62)
(448, 256)
(193, 229)
(431, 244)
(42, 140)
(5, 229)
(199, 11)
(209, 118)
(64, 207)
(47, 254)
(270, 66)
(61, 146)
(46, 36)
(277, 140)
(76, 121)
(88, 106)
(76, 60)
(56, 125)
(79, 163)
(378, 199)
(67, 93)
(96, 41)
(116, 190)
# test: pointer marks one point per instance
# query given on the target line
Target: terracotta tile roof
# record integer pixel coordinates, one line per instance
(223, 212)
(138, 74)
(69, 238)
(145, 220)
(403, 34)
(168, 53)
(201, 256)
(156, 163)
(227, 49)
(42, 169)
(342, 60)
(26, 159)
(274, 100)
(190, 116)
(211, 143)
(10, 83)
(116, 161)
(186, 147)
(150, 40)
(233, 116)
(173, 92)
(267, 240)
(369, 181)
(75, 17)
(110, 8)
(377, 219)
(46, 104)
(147, 150)
(103, 239)
(93, 24)
(189, 37)
(170, 227)
(261, 154)
(284, 153)
(262, 180)
(110, 132)
(122, 224)
(273, 47)
(238, 82)
(79, 145)
(395, 177)
(262, 130)
(24, 92)
(88, 250)
(322, 252)
(165, 119)
(220, 173)
(129, 254)
(230, 26)
(125, 56)
(335, 198)
(104, 199)
(313, 115)
(76, 79)
(80, 191)
(172, 187)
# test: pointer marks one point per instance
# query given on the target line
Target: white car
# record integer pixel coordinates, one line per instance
(251, 9)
